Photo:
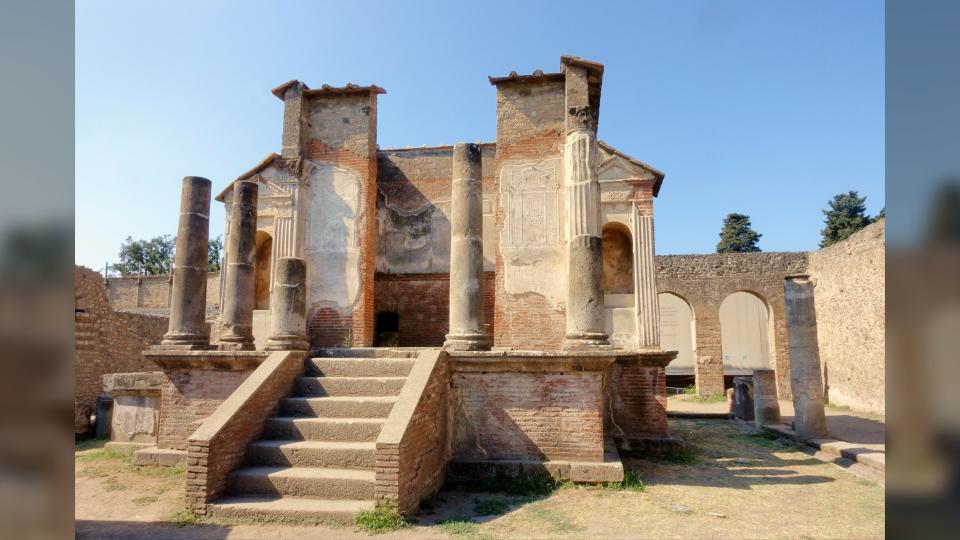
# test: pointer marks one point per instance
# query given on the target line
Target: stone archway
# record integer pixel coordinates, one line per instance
(617, 259)
(263, 265)
(678, 332)
(746, 333)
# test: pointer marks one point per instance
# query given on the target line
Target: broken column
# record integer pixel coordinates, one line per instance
(584, 310)
(188, 303)
(237, 320)
(466, 252)
(766, 408)
(288, 307)
(805, 379)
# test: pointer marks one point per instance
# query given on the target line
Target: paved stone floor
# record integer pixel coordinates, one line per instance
(863, 429)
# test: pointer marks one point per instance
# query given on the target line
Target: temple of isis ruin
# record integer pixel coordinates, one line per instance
(389, 319)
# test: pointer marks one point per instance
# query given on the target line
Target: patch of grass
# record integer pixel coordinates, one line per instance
(690, 394)
(558, 522)
(178, 470)
(102, 454)
(112, 484)
(490, 507)
(836, 407)
(145, 500)
(524, 485)
(459, 526)
(384, 518)
(183, 518)
(89, 444)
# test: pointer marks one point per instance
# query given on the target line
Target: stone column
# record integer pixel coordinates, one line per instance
(645, 282)
(805, 376)
(766, 408)
(237, 330)
(584, 309)
(288, 307)
(466, 252)
(188, 303)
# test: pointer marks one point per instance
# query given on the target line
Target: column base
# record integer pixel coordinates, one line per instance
(184, 342)
(287, 343)
(466, 342)
(579, 341)
(236, 344)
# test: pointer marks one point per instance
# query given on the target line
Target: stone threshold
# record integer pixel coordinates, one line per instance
(540, 361)
(842, 453)
(127, 447)
(608, 470)
(209, 359)
(153, 456)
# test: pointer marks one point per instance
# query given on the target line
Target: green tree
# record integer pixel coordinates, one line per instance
(214, 248)
(847, 214)
(152, 257)
(737, 235)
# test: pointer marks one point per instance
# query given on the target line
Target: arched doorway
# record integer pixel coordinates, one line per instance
(745, 333)
(677, 333)
(262, 270)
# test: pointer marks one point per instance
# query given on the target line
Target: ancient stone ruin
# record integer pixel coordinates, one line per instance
(547, 361)
(386, 320)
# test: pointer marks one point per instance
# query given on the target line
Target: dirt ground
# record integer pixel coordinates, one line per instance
(731, 484)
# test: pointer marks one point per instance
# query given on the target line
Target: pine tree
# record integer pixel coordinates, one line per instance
(737, 235)
(847, 215)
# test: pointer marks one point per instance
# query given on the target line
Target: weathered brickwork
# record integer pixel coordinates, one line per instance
(638, 401)
(849, 293)
(530, 129)
(704, 281)
(106, 341)
(422, 303)
(527, 415)
(188, 397)
(412, 466)
(153, 292)
(219, 445)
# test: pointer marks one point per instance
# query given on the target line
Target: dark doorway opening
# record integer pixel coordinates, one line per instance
(386, 329)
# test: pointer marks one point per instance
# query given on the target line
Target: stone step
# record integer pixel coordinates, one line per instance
(319, 482)
(322, 429)
(289, 508)
(348, 386)
(359, 367)
(338, 406)
(366, 352)
(346, 455)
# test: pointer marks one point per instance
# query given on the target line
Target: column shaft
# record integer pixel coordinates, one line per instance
(466, 251)
(645, 282)
(805, 377)
(585, 309)
(237, 330)
(188, 302)
(288, 307)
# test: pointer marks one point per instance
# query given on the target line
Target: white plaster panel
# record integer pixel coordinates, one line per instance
(531, 241)
(332, 240)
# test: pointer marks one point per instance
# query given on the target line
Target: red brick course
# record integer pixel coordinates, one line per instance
(188, 397)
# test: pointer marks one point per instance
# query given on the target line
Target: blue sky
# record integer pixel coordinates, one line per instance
(765, 108)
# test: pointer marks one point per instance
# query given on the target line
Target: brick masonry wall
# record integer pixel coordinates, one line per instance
(530, 129)
(423, 303)
(153, 292)
(106, 341)
(637, 397)
(414, 468)
(849, 292)
(188, 397)
(219, 446)
(527, 415)
(704, 281)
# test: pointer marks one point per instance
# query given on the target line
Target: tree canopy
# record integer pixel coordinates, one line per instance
(154, 257)
(737, 235)
(847, 214)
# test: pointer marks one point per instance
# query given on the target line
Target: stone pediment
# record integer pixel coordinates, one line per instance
(615, 165)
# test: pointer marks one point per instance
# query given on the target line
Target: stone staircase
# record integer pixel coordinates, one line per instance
(314, 461)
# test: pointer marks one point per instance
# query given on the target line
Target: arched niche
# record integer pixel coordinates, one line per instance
(617, 259)
(745, 333)
(677, 332)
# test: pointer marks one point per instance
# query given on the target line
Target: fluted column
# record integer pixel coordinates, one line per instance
(645, 282)
(805, 377)
(188, 303)
(288, 307)
(237, 329)
(584, 309)
(466, 252)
